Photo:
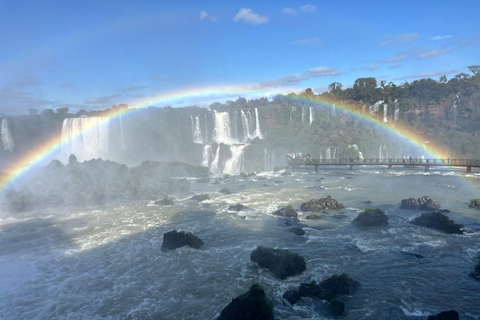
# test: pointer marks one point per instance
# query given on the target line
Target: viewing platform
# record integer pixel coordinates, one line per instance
(427, 163)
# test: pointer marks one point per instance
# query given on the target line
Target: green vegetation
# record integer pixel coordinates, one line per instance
(475, 203)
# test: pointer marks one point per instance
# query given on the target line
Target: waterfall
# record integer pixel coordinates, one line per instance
(234, 165)
(196, 130)
(6, 135)
(334, 109)
(222, 132)
(214, 166)
(328, 154)
(250, 124)
(304, 114)
(207, 140)
(258, 132)
(312, 114)
(334, 153)
(385, 112)
(380, 153)
(207, 151)
(374, 109)
(235, 127)
(122, 140)
(396, 113)
(267, 161)
(86, 138)
(245, 127)
(454, 111)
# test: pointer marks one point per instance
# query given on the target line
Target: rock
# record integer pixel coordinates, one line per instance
(439, 221)
(297, 231)
(238, 207)
(287, 212)
(264, 185)
(225, 190)
(337, 308)
(166, 201)
(339, 216)
(476, 273)
(251, 305)
(368, 202)
(445, 315)
(291, 296)
(315, 216)
(183, 185)
(203, 180)
(173, 240)
(282, 263)
(371, 218)
(475, 203)
(287, 172)
(330, 288)
(423, 203)
(200, 197)
(316, 205)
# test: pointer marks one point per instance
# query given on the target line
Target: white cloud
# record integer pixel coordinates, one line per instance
(310, 8)
(103, 100)
(471, 41)
(432, 53)
(370, 68)
(308, 42)
(203, 15)
(289, 11)
(134, 88)
(428, 74)
(248, 16)
(321, 72)
(393, 59)
(441, 37)
(395, 66)
(398, 38)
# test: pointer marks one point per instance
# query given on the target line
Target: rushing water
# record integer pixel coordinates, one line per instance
(106, 262)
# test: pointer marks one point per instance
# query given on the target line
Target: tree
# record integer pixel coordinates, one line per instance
(62, 111)
(335, 87)
(443, 79)
(365, 89)
(474, 69)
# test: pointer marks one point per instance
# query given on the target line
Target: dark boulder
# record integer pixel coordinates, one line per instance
(439, 221)
(330, 288)
(316, 205)
(291, 296)
(252, 305)
(410, 203)
(225, 190)
(287, 212)
(297, 231)
(315, 216)
(475, 203)
(173, 240)
(371, 218)
(423, 203)
(282, 263)
(476, 273)
(238, 207)
(183, 185)
(166, 201)
(337, 308)
(200, 197)
(445, 315)
(339, 216)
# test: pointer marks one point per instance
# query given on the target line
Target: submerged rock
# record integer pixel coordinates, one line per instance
(238, 207)
(291, 296)
(166, 201)
(371, 218)
(252, 305)
(476, 273)
(287, 212)
(315, 216)
(173, 240)
(423, 203)
(316, 205)
(297, 231)
(330, 288)
(200, 197)
(439, 221)
(337, 308)
(183, 185)
(282, 263)
(225, 190)
(445, 315)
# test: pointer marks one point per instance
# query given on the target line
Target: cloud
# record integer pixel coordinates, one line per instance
(428, 74)
(398, 38)
(395, 66)
(248, 16)
(16, 102)
(441, 37)
(134, 88)
(432, 53)
(203, 15)
(289, 11)
(394, 59)
(468, 42)
(26, 81)
(309, 8)
(103, 100)
(370, 68)
(321, 72)
(308, 42)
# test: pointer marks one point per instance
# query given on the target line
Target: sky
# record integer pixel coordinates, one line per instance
(91, 55)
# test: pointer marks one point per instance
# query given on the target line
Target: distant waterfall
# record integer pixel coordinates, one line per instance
(304, 114)
(454, 111)
(334, 109)
(385, 112)
(122, 140)
(235, 127)
(234, 165)
(6, 135)
(396, 112)
(86, 138)
(196, 130)
(267, 161)
(334, 153)
(328, 155)
(207, 138)
(245, 127)
(214, 167)
(382, 152)
(222, 130)
(207, 154)
(250, 123)
(374, 109)
(258, 132)
(312, 115)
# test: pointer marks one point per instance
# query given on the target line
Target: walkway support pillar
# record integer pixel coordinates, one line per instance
(351, 167)
(469, 169)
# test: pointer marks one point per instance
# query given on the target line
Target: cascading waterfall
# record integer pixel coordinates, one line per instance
(214, 167)
(6, 135)
(207, 155)
(207, 139)
(267, 161)
(245, 127)
(382, 152)
(385, 112)
(196, 130)
(235, 127)
(328, 154)
(258, 132)
(234, 165)
(312, 115)
(454, 111)
(396, 112)
(304, 114)
(122, 140)
(374, 109)
(86, 138)
(222, 132)
(250, 123)
(334, 153)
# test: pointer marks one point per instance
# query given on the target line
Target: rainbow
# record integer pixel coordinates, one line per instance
(28, 161)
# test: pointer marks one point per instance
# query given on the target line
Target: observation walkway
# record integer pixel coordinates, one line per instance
(427, 163)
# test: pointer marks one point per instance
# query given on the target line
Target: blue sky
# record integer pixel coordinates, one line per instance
(94, 54)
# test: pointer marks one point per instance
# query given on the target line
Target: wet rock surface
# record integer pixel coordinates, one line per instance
(371, 218)
(316, 205)
(282, 263)
(439, 221)
(238, 207)
(423, 203)
(251, 305)
(173, 240)
(287, 212)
